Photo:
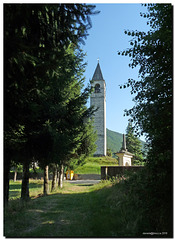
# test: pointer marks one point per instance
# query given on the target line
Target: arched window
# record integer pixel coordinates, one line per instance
(97, 88)
(126, 164)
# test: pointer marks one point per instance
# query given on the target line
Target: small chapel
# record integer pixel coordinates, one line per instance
(124, 156)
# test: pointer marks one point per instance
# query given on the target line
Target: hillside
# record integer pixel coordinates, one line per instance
(115, 139)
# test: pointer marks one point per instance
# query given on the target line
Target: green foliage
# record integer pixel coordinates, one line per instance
(85, 148)
(16, 166)
(115, 139)
(133, 145)
(152, 52)
(154, 89)
(109, 152)
(141, 196)
(44, 97)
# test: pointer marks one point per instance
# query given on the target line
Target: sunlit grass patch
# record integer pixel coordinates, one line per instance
(14, 189)
(93, 165)
(35, 186)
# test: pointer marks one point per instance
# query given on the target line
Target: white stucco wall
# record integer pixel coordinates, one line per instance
(124, 158)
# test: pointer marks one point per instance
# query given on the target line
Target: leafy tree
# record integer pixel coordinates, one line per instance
(133, 145)
(153, 110)
(37, 61)
(109, 152)
(16, 167)
(86, 146)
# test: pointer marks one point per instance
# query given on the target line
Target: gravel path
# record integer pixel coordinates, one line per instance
(85, 182)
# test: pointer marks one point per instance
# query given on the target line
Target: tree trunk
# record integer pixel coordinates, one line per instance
(6, 179)
(46, 180)
(58, 173)
(61, 176)
(15, 175)
(25, 182)
(54, 178)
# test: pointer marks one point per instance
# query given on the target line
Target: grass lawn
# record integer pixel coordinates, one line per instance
(75, 211)
(36, 187)
(93, 165)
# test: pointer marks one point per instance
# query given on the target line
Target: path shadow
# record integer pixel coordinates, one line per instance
(84, 185)
(15, 186)
(14, 194)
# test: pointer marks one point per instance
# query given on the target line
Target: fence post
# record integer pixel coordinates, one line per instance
(106, 173)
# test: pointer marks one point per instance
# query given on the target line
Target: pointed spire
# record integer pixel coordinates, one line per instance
(98, 74)
(124, 143)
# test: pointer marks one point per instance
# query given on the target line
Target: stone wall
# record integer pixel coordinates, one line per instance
(89, 177)
(114, 171)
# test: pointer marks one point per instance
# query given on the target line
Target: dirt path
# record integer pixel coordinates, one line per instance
(84, 182)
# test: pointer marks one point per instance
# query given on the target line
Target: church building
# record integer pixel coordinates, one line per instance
(98, 100)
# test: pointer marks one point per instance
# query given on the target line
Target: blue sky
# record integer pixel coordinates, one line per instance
(105, 38)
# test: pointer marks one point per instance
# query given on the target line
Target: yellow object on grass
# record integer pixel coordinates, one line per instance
(69, 175)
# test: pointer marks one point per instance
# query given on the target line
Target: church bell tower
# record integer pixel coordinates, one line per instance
(98, 100)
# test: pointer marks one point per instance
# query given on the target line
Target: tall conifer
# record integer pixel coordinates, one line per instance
(42, 80)
(133, 145)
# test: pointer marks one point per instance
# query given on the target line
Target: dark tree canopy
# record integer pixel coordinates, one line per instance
(152, 52)
(152, 113)
(44, 99)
